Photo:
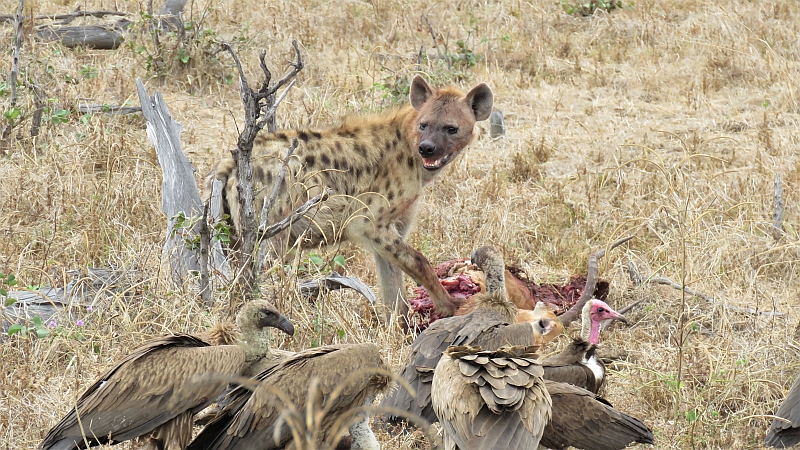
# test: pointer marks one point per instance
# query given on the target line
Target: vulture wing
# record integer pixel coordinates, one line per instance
(569, 366)
(581, 419)
(490, 399)
(487, 329)
(786, 434)
(146, 390)
(251, 420)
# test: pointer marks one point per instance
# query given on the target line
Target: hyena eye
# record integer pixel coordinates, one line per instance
(452, 130)
(422, 126)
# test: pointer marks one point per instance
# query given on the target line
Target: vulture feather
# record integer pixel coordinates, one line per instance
(343, 377)
(490, 399)
(578, 363)
(150, 393)
(583, 420)
(490, 326)
(784, 434)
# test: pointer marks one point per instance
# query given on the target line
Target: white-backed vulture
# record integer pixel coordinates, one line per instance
(578, 363)
(490, 326)
(490, 399)
(583, 420)
(346, 377)
(786, 434)
(151, 392)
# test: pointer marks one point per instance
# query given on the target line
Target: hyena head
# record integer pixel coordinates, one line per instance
(445, 120)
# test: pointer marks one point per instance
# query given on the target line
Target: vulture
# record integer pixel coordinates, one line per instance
(490, 399)
(151, 392)
(490, 326)
(784, 434)
(578, 364)
(310, 396)
(583, 420)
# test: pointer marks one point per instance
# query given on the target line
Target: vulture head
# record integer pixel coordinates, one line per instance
(594, 312)
(261, 314)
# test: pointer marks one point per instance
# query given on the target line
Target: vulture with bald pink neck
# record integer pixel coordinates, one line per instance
(578, 364)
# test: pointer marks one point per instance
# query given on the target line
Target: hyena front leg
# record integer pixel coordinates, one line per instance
(393, 291)
(390, 249)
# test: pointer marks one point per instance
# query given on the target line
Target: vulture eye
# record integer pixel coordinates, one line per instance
(601, 310)
(266, 314)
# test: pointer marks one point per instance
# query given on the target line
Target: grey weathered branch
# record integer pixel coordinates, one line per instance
(12, 78)
(778, 205)
(272, 230)
(693, 292)
(100, 37)
(109, 109)
(311, 288)
(591, 281)
(205, 244)
(67, 16)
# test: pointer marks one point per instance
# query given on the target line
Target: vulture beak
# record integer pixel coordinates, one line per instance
(285, 325)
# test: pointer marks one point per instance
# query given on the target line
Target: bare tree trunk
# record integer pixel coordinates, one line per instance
(259, 110)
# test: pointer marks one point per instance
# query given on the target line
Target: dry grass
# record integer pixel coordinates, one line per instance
(663, 120)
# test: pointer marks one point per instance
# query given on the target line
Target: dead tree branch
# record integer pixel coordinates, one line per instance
(272, 230)
(778, 205)
(12, 79)
(591, 281)
(259, 107)
(205, 244)
(67, 17)
(109, 109)
(666, 281)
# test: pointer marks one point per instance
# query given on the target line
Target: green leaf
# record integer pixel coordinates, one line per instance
(691, 416)
(15, 328)
(37, 322)
(340, 333)
(42, 333)
(11, 279)
(12, 114)
(9, 301)
(339, 260)
(316, 259)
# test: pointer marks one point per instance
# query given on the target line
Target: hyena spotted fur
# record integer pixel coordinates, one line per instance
(377, 167)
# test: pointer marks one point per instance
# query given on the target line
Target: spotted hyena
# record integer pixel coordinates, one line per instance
(377, 167)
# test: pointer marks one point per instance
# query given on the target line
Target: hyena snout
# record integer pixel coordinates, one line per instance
(427, 149)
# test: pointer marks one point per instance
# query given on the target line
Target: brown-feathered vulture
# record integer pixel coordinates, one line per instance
(152, 393)
(784, 434)
(583, 420)
(490, 326)
(578, 363)
(345, 377)
(490, 399)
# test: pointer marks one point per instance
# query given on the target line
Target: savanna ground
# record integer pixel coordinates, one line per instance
(663, 120)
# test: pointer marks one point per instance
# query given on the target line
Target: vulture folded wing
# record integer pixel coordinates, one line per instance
(582, 420)
(488, 402)
(787, 434)
(145, 390)
(250, 420)
(425, 354)
(569, 366)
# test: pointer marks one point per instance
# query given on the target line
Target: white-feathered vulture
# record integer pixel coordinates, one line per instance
(578, 363)
(490, 326)
(152, 393)
(345, 378)
(490, 399)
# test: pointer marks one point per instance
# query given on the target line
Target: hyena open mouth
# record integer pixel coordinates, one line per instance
(436, 164)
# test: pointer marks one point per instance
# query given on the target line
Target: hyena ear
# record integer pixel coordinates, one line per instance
(419, 92)
(480, 99)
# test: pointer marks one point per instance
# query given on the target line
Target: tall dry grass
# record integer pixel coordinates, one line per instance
(663, 120)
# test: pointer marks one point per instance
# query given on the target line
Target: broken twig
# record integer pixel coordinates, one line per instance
(272, 230)
(777, 215)
(268, 204)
